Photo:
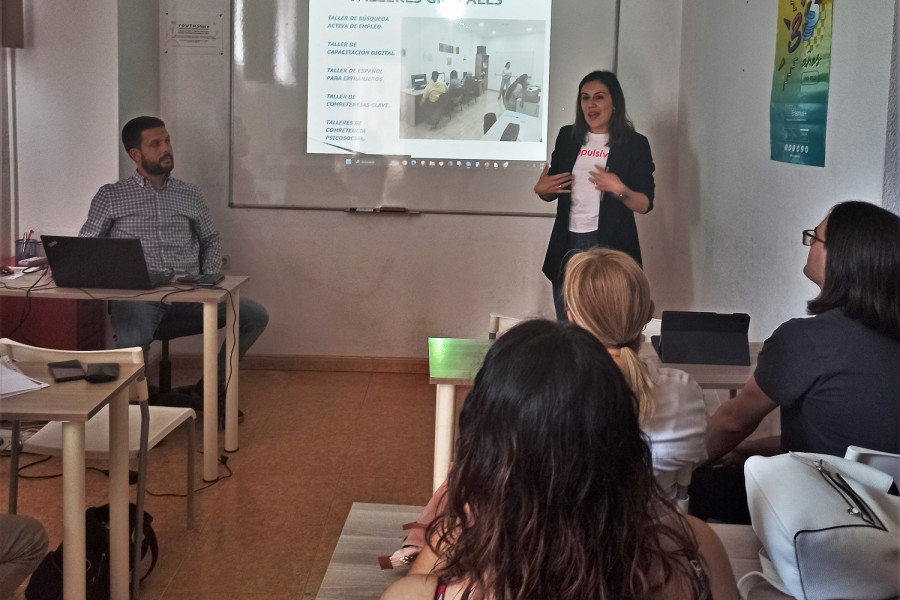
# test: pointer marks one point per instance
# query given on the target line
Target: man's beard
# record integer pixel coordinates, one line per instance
(155, 168)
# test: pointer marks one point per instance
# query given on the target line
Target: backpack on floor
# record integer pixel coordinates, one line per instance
(47, 580)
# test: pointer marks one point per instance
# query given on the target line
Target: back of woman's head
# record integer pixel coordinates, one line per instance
(552, 493)
(862, 266)
(607, 293)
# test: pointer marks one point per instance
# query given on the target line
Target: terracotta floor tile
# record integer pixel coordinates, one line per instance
(311, 445)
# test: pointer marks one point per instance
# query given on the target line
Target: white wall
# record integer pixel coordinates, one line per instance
(724, 235)
(734, 242)
(67, 92)
(138, 66)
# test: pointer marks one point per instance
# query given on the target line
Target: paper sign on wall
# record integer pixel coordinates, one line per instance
(193, 33)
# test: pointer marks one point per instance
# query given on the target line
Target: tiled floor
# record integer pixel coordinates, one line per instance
(311, 445)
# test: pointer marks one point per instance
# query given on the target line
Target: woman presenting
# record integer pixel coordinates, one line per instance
(601, 172)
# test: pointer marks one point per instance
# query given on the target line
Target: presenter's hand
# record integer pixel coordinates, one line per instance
(548, 187)
(605, 181)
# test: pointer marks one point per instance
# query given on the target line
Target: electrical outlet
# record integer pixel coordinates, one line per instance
(226, 261)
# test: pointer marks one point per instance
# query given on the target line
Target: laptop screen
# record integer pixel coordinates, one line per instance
(111, 263)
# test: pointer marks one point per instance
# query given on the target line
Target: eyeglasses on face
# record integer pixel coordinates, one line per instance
(809, 236)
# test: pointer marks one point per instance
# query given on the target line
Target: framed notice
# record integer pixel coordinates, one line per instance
(798, 113)
(193, 33)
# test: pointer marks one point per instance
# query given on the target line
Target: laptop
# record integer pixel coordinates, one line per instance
(111, 263)
(703, 338)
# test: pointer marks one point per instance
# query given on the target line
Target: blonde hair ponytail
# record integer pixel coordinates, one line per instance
(638, 377)
(607, 293)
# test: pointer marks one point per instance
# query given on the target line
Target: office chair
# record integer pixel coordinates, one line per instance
(147, 426)
(455, 96)
(165, 396)
(489, 120)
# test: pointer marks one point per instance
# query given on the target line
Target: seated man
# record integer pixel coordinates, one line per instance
(433, 92)
(23, 545)
(171, 219)
(834, 375)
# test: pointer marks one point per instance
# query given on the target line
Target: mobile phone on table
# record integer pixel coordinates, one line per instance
(102, 372)
(66, 370)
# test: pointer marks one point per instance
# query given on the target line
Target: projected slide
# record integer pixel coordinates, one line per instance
(456, 79)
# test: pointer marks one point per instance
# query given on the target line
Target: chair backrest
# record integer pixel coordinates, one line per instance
(883, 461)
(653, 327)
(500, 324)
(19, 351)
(489, 120)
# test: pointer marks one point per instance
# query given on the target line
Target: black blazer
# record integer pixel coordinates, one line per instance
(632, 162)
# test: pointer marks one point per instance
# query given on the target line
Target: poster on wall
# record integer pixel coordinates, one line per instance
(798, 113)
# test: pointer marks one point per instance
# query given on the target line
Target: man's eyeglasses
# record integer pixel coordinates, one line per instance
(809, 235)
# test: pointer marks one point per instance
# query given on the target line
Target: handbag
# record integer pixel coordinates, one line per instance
(47, 580)
(828, 527)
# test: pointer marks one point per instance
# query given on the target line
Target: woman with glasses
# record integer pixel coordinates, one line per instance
(552, 493)
(600, 174)
(835, 376)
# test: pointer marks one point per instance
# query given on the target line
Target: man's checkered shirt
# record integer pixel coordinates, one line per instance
(174, 224)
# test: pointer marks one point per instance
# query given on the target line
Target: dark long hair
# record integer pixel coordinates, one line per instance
(520, 80)
(552, 494)
(862, 266)
(620, 126)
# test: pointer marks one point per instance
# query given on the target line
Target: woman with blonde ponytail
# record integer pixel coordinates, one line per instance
(607, 293)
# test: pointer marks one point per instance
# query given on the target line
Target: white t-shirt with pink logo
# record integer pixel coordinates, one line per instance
(585, 210)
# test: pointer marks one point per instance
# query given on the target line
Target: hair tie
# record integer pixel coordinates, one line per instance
(632, 343)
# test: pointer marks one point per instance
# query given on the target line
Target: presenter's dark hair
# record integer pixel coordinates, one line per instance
(620, 126)
(862, 266)
(552, 494)
(434, 75)
(131, 133)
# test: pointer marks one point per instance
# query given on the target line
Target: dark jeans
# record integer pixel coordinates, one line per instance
(577, 243)
(135, 323)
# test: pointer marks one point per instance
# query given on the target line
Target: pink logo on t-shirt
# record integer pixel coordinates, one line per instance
(594, 152)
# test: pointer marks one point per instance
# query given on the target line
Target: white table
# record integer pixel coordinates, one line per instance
(374, 530)
(529, 127)
(73, 403)
(227, 290)
(455, 361)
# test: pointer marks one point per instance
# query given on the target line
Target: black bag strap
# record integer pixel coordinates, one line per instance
(150, 543)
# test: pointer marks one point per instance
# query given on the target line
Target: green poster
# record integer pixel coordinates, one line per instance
(798, 115)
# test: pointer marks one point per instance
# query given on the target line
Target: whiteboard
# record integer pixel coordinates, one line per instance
(286, 155)
(519, 62)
